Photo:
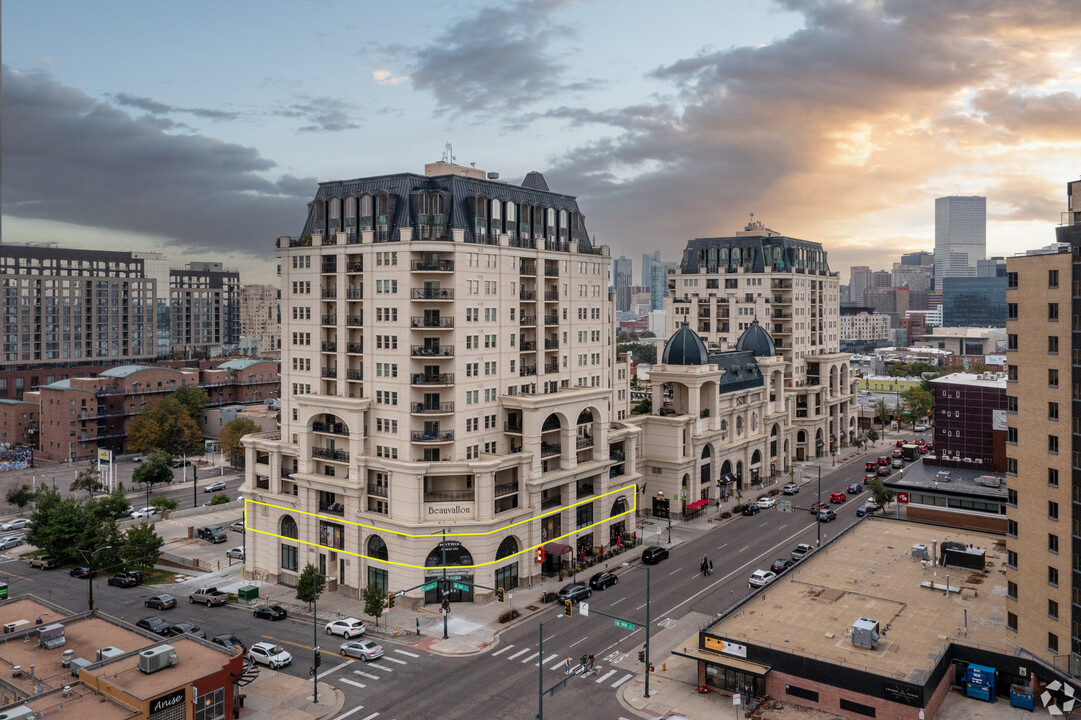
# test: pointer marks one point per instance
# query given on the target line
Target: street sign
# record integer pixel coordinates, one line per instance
(401, 593)
(430, 586)
(624, 625)
(784, 505)
(461, 586)
(583, 608)
(902, 497)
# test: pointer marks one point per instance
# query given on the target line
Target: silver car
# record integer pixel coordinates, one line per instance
(364, 649)
(237, 552)
(10, 541)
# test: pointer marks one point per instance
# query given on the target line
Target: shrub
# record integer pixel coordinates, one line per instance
(509, 615)
(548, 597)
(725, 515)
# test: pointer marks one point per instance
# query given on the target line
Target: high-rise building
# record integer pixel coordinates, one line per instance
(880, 279)
(960, 235)
(724, 285)
(859, 280)
(658, 288)
(912, 275)
(622, 278)
(451, 394)
(259, 309)
(205, 299)
(991, 267)
(921, 258)
(974, 301)
(1042, 448)
(647, 266)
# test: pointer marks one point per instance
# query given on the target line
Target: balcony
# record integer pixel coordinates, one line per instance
(355, 348)
(551, 295)
(424, 351)
(440, 266)
(331, 428)
(527, 295)
(429, 380)
(332, 454)
(354, 374)
(329, 346)
(329, 320)
(551, 272)
(528, 320)
(378, 490)
(551, 319)
(335, 508)
(432, 294)
(354, 321)
(583, 442)
(616, 455)
(354, 267)
(330, 373)
(550, 344)
(356, 293)
(550, 450)
(330, 267)
(552, 367)
(331, 294)
(432, 438)
(448, 496)
(513, 427)
(527, 371)
(547, 503)
(527, 268)
(439, 323)
(443, 408)
(506, 489)
(528, 345)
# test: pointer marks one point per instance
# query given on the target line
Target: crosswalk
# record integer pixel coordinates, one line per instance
(511, 653)
(368, 672)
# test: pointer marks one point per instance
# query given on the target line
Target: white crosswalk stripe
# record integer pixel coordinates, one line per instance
(347, 713)
(395, 660)
(364, 674)
(354, 683)
(520, 652)
(546, 660)
(384, 668)
(556, 666)
(607, 675)
(373, 715)
(502, 650)
(334, 669)
(622, 680)
(407, 654)
(531, 657)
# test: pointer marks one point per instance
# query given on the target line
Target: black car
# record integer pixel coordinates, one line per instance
(780, 565)
(654, 554)
(181, 463)
(574, 593)
(751, 509)
(271, 612)
(229, 642)
(123, 580)
(186, 628)
(155, 625)
(602, 580)
(83, 572)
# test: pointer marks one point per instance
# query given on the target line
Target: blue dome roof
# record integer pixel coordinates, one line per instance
(757, 340)
(685, 348)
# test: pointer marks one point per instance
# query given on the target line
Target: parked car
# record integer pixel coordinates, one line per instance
(751, 509)
(348, 628)
(801, 551)
(155, 625)
(766, 503)
(237, 526)
(269, 654)
(10, 541)
(123, 580)
(146, 512)
(83, 572)
(654, 554)
(364, 649)
(920, 428)
(855, 489)
(216, 486)
(161, 602)
(45, 562)
(862, 510)
(790, 489)
(574, 593)
(186, 628)
(826, 515)
(270, 612)
(209, 596)
(237, 552)
(213, 534)
(761, 578)
(16, 524)
(838, 497)
(138, 459)
(179, 463)
(602, 581)
(229, 642)
(780, 565)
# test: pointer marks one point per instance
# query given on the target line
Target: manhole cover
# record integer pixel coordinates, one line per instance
(531, 608)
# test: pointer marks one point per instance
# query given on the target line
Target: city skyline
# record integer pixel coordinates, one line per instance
(672, 130)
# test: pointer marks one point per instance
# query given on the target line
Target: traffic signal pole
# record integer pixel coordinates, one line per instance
(446, 592)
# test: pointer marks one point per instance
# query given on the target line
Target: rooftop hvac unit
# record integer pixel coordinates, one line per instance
(79, 663)
(65, 660)
(15, 626)
(157, 658)
(18, 713)
(52, 636)
(865, 633)
(107, 653)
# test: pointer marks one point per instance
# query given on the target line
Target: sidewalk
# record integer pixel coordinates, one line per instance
(278, 696)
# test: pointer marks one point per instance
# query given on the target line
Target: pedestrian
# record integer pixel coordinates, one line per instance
(567, 666)
(710, 567)
(590, 661)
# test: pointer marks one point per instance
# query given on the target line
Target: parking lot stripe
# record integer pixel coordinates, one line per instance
(604, 677)
(334, 669)
(395, 660)
(502, 650)
(407, 654)
(520, 652)
(354, 683)
(534, 655)
(346, 714)
(622, 680)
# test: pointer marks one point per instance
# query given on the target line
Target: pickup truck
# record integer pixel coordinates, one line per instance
(209, 595)
(45, 562)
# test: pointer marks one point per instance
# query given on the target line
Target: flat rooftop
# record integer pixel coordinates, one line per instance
(80, 704)
(993, 380)
(962, 481)
(869, 572)
(195, 661)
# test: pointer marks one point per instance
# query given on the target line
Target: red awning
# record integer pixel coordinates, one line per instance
(554, 548)
(697, 504)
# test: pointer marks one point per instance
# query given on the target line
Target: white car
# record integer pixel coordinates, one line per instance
(145, 512)
(791, 489)
(16, 524)
(364, 649)
(920, 428)
(237, 552)
(214, 487)
(766, 503)
(347, 628)
(10, 541)
(761, 578)
(270, 654)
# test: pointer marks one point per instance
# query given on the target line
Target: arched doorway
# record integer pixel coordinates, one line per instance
(727, 480)
(756, 467)
(452, 555)
(377, 550)
(685, 485)
(506, 576)
(801, 446)
(290, 561)
(820, 444)
(704, 478)
(617, 528)
(739, 477)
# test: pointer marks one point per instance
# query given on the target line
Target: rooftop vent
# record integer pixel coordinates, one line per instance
(51, 636)
(990, 481)
(157, 658)
(17, 713)
(77, 664)
(66, 658)
(865, 633)
(15, 626)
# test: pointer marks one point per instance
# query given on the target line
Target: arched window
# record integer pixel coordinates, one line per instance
(512, 212)
(562, 219)
(350, 207)
(366, 205)
(551, 423)
(508, 547)
(551, 217)
(319, 213)
(482, 207)
(377, 549)
(706, 452)
(584, 417)
(335, 209)
(496, 209)
(289, 527)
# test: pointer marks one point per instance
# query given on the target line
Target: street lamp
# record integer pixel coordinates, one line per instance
(315, 632)
(647, 567)
(90, 571)
(540, 671)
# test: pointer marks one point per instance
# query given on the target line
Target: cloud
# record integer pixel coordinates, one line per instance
(157, 108)
(322, 114)
(386, 77)
(73, 159)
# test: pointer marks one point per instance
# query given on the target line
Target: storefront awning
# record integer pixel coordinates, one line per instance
(554, 548)
(723, 660)
(697, 504)
(728, 479)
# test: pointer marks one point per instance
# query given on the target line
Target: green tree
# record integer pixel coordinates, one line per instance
(163, 502)
(373, 601)
(882, 495)
(219, 499)
(22, 496)
(646, 352)
(167, 425)
(157, 470)
(69, 530)
(872, 435)
(193, 399)
(898, 369)
(648, 334)
(917, 401)
(919, 368)
(310, 584)
(140, 546)
(643, 407)
(231, 435)
(115, 504)
(88, 479)
(882, 413)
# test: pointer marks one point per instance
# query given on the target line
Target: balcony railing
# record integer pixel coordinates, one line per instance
(330, 346)
(354, 267)
(443, 408)
(527, 371)
(329, 267)
(506, 489)
(551, 295)
(427, 351)
(550, 344)
(448, 496)
(527, 268)
(378, 490)
(550, 502)
(330, 373)
(551, 319)
(330, 294)
(422, 436)
(552, 367)
(433, 266)
(551, 272)
(354, 293)
(583, 442)
(355, 348)
(329, 320)
(443, 323)
(512, 427)
(550, 450)
(437, 379)
(354, 374)
(429, 294)
(334, 508)
(527, 295)
(354, 321)
(528, 345)
(333, 428)
(330, 454)
(528, 320)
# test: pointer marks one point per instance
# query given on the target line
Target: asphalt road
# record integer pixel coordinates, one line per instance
(503, 682)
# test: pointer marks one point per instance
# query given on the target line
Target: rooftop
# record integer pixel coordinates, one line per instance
(961, 481)
(239, 364)
(995, 380)
(868, 572)
(123, 371)
(196, 661)
(82, 702)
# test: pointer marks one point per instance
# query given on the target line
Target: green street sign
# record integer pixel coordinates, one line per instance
(460, 586)
(624, 625)
(430, 586)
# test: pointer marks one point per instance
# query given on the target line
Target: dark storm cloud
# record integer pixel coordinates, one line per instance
(71, 158)
(323, 114)
(157, 108)
(497, 58)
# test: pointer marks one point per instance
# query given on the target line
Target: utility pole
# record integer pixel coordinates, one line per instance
(647, 630)
(818, 515)
(540, 669)
(445, 588)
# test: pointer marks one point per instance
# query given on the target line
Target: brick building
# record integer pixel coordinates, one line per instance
(970, 421)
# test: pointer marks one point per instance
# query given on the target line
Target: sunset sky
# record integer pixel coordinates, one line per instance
(200, 129)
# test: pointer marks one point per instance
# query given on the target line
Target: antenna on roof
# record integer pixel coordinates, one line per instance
(472, 164)
(448, 153)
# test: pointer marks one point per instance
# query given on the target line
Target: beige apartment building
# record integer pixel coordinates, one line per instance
(259, 318)
(1043, 536)
(451, 395)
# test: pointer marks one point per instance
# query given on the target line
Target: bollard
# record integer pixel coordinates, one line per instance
(418, 626)
(664, 667)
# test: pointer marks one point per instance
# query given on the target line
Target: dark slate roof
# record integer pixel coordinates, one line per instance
(685, 348)
(740, 371)
(757, 340)
(457, 191)
(755, 252)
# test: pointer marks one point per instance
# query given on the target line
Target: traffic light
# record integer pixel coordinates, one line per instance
(567, 607)
(318, 658)
(446, 606)
(539, 555)
(501, 594)
(390, 600)
(641, 656)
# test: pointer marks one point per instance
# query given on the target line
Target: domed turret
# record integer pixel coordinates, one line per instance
(685, 348)
(757, 340)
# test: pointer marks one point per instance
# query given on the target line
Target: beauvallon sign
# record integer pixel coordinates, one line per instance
(450, 510)
(168, 700)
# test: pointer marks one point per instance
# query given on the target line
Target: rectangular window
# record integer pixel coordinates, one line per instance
(1052, 312)
(1052, 642)
(210, 706)
(1052, 344)
(1052, 477)
(1011, 621)
(1011, 403)
(1011, 590)
(1052, 278)
(1052, 378)
(1011, 341)
(1011, 281)
(1011, 311)
(858, 708)
(1052, 411)
(1052, 609)
(1011, 435)
(289, 557)
(1052, 576)
(1052, 510)
(1011, 559)
(1052, 542)
(799, 692)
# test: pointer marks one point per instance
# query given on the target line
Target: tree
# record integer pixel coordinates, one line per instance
(193, 399)
(219, 499)
(872, 435)
(231, 435)
(373, 601)
(310, 584)
(917, 401)
(646, 352)
(168, 425)
(644, 407)
(648, 334)
(69, 530)
(140, 546)
(155, 471)
(88, 479)
(163, 502)
(20, 497)
(116, 503)
(919, 368)
(882, 413)
(898, 369)
(882, 495)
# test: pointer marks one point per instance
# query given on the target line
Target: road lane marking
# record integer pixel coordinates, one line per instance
(545, 660)
(520, 652)
(722, 547)
(619, 601)
(531, 657)
(373, 715)
(334, 669)
(346, 714)
(674, 572)
(604, 677)
(622, 680)
(556, 666)
(384, 668)
(745, 547)
(354, 683)
(640, 607)
(364, 674)
(407, 654)
(395, 660)
(300, 645)
(579, 641)
(500, 652)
